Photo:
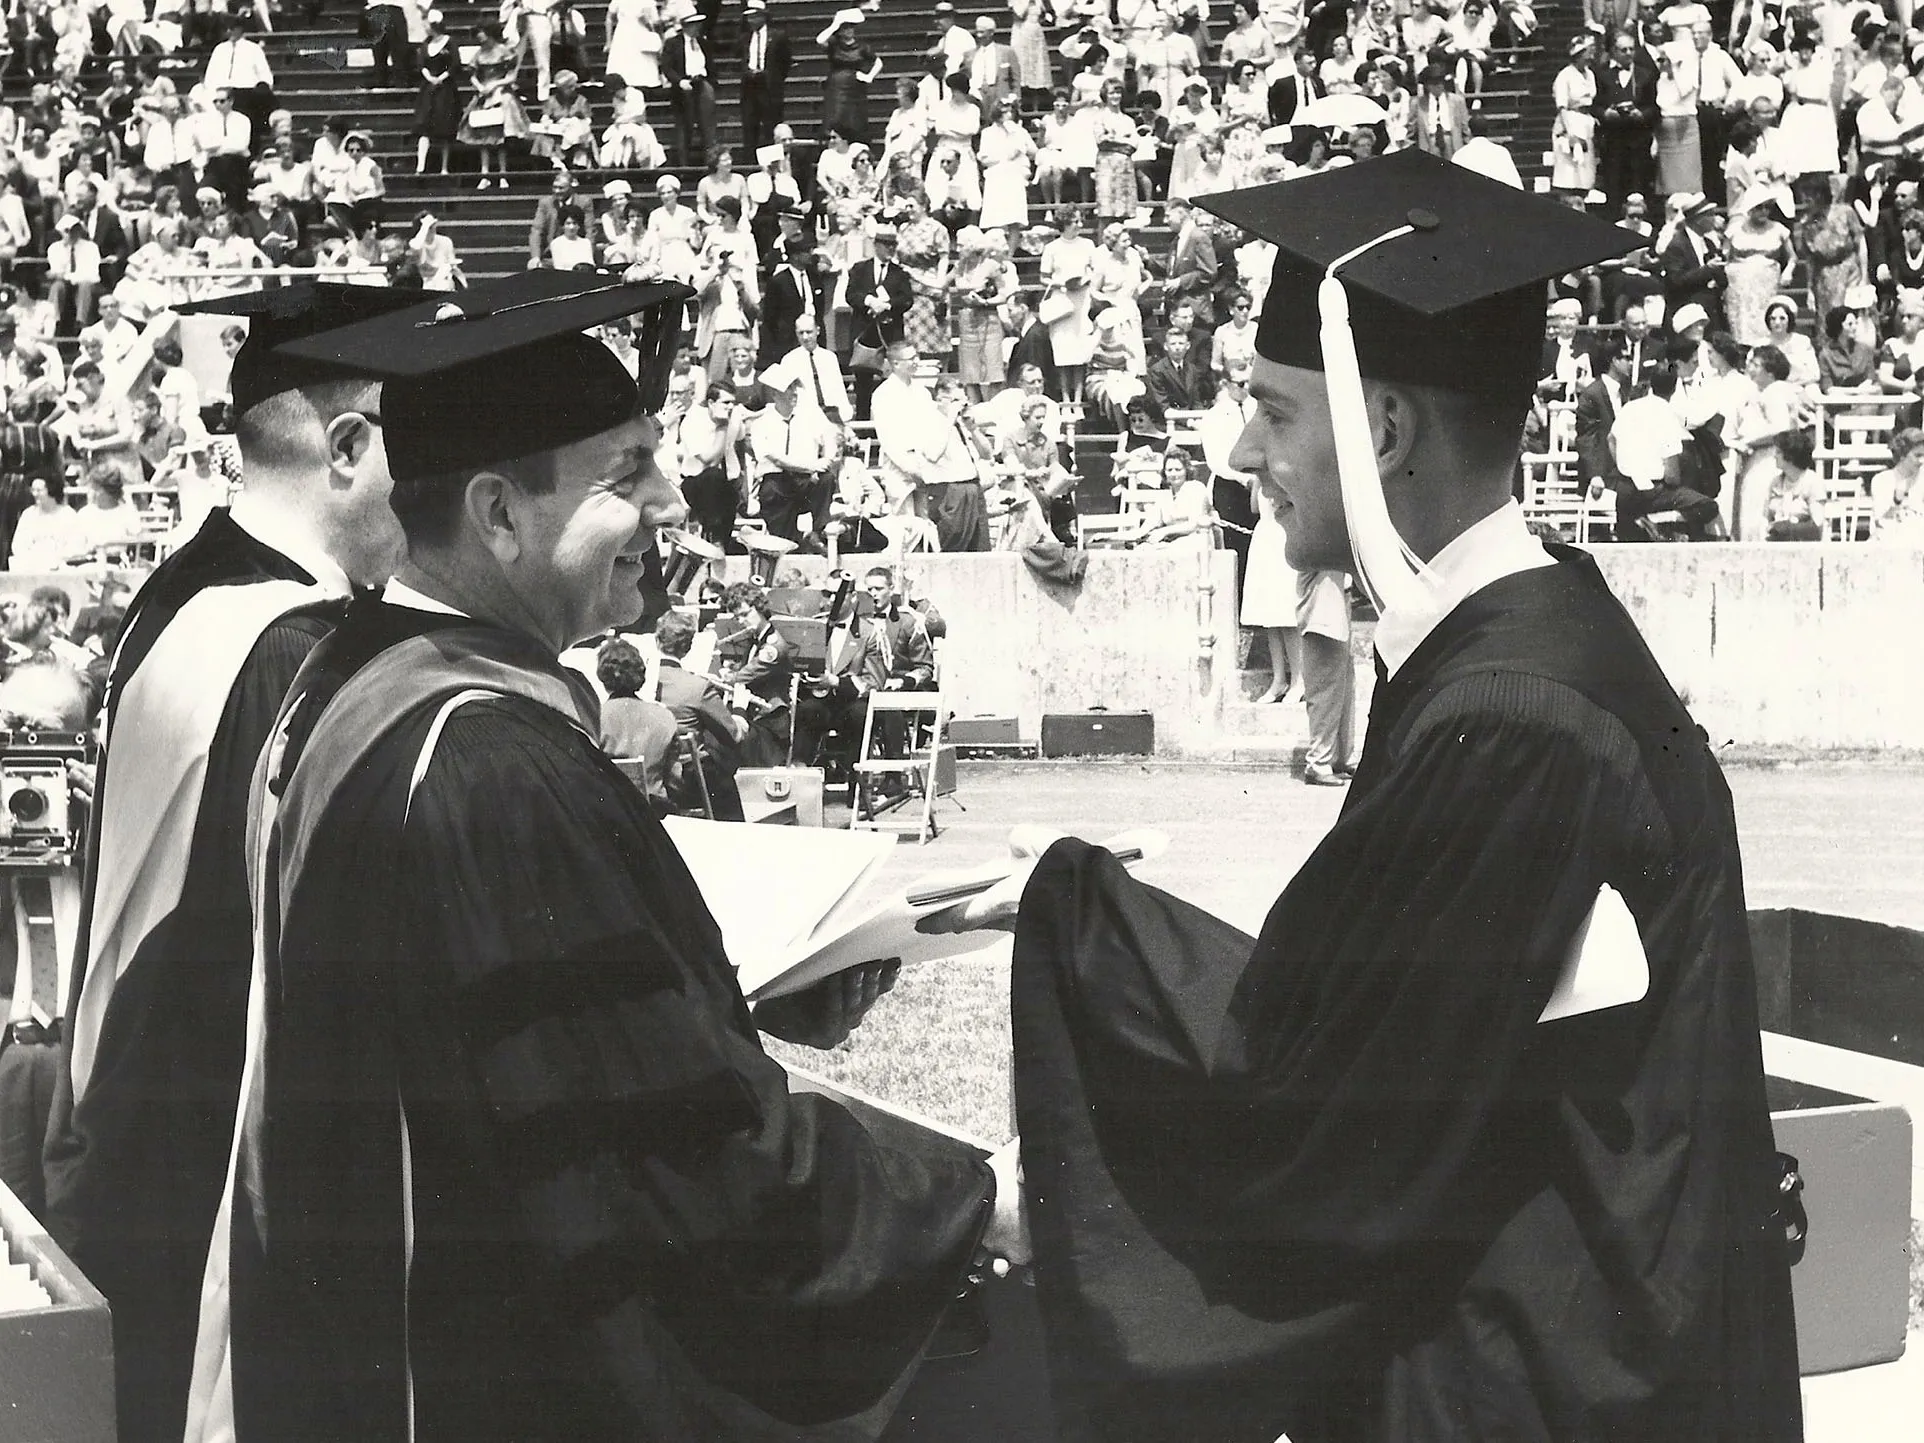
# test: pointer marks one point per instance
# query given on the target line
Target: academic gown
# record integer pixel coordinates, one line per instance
(143, 1112)
(1339, 1181)
(623, 1226)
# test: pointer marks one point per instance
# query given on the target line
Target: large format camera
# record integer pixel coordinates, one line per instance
(41, 825)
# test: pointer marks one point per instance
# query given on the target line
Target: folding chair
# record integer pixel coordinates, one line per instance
(926, 772)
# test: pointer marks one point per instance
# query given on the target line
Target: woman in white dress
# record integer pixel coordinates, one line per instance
(1120, 279)
(1031, 45)
(1007, 153)
(1806, 139)
(1269, 601)
(632, 26)
(1192, 122)
(1068, 272)
(1573, 137)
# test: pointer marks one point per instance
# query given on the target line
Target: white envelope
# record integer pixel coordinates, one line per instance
(1606, 965)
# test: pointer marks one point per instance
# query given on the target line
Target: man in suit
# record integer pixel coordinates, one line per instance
(1626, 112)
(1692, 264)
(101, 226)
(1192, 261)
(1442, 115)
(878, 299)
(789, 295)
(700, 711)
(1180, 378)
(1564, 361)
(767, 55)
(689, 74)
(1290, 93)
(1597, 407)
(1032, 347)
(992, 69)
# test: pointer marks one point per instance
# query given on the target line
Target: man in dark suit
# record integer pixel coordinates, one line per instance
(788, 294)
(1597, 407)
(689, 72)
(699, 711)
(1032, 346)
(1179, 378)
(1192, 261)
(1292, 92)
(767, 55)
(878, 299)
(1692, 264)
(1626, 112)
(103, 228)
(1642, 349)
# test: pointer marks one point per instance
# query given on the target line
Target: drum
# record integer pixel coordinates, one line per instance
(764, 553)
(685, 559)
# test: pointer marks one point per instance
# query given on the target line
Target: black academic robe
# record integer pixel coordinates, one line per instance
(1339, 1181)
(134, 1171)
(624, 1226)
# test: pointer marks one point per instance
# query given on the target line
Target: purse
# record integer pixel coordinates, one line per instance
(866, 358)
(487, 115)
(1055, 306)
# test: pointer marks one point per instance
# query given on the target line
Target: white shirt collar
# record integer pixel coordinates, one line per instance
(399, 593)
(1499, 545)
(271, 528)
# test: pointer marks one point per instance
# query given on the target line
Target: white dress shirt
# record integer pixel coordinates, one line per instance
(824, 389)
(1499, 545)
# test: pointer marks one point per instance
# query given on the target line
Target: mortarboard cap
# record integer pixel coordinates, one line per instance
(1458, 303)
(504, 369)
(282, 314)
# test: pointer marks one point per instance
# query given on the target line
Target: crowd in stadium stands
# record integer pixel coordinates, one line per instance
(1770, 153)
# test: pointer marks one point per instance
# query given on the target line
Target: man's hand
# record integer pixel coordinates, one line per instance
(823, 1015)
(80, 781)
(1007, 1235)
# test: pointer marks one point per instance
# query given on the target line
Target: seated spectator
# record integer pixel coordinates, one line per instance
(561, 200)
(698, 708)
(633, 729)
(1029, 458)
(1895, 494)
(1648, 439)
(98, 425)
(194, 475)
(1178, 378)
(154, 276)
(271, 225)
(48, 534)
(1235, 338)
(1002, 415)
(565, 134)
(630, 142)
(230, 255)
(1066, 160)
(73, 272)
(154, 436)
(109, 519)
(1901, 357)
(571, 250)
(358, 188)
(1774, 409)
(1794, 509)
(118, 336)
(225, 140)
(1113, 381)
(238, 65)
(1780, 320)
(1846, 361)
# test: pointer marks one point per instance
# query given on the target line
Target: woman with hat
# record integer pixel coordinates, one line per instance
(982, 282)
(1068, 271)
(1758, 243)
(437, 109)
(566, 133)
(630, 141)
(1193, 121)
(493, 115)
(1573, 137)
(852, 68)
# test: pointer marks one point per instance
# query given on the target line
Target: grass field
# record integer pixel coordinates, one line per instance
(939, 1045)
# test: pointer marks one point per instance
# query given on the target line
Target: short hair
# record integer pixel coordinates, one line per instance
(1773, 361)
(745, 593)
(727, 205)
(1680, 350)
(1728, 348)
(88, 371)
(28, 621)
(620, 667)
(107, 478)
(168, 353)
(1796, 447)
(1834, 319)
(1663, 380)
(1610, 346)
(882, 571)
(428, 507)
(1176, 333)
(674, 634)
(54, 598)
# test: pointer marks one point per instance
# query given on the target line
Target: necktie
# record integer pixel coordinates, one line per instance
(815, 375)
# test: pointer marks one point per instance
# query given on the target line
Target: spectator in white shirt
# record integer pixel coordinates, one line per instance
(117, 335)
(239, 65)
(1001, 415)
(824, 389)
(48, 533)
(73, 268)
(16, 233)
(225, 138)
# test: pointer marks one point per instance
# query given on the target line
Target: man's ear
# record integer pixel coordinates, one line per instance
(1396, 417)
(347, 440)
(487, 506)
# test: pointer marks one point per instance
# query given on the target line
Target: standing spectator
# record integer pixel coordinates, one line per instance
(1192, 124)
(494, 114)
(726, 281)
(1717, 77)
(823, 385)
(239, 66)
(1068, 274)
(982, 282)
(994, 73)
(1034, 71)
(1626, 109)
(1442, 115)
(1193, 265)
(537, 35)
(225, 138)
(789, 298)
(852, 68)
(1692, 262)
(1829, 239)
(103, 228)
(1679, 143)
(685, 67)
(385, 27)
(360, 187)
(634, 46)
(1165, 61)
(923, 244)
(566, 133)
(878, 296)
(1066, 161)
(767, 54)
(437, 109)
(1121, 277)
(1807, 138)
(1115, 140)
(1759, 264)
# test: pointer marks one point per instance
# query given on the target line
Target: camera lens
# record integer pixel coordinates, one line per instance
(27, 805)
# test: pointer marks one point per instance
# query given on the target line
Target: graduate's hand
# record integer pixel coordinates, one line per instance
(998, 907)
(1007, 1235)
(822, 1016)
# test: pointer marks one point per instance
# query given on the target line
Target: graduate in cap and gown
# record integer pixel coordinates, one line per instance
(144, 1105)
(512, 1163)
(1343, 1180)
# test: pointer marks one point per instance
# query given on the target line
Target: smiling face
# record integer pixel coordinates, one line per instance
(579, 562)
(1289, 446)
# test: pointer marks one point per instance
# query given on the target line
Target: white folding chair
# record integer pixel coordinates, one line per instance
(926, 771)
